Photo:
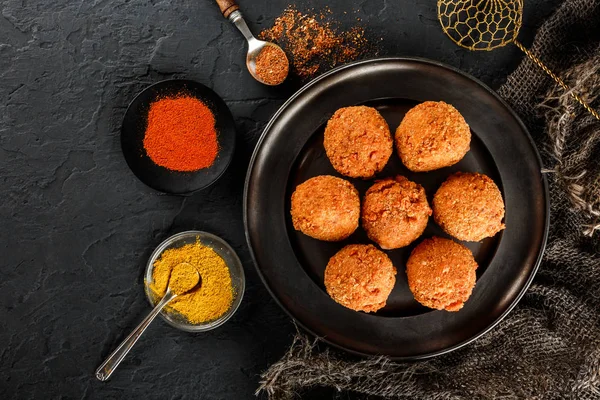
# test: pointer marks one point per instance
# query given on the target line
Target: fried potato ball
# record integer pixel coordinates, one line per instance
(469, 207)
(441, 274)
(360, 277)
(326, 208)
(432, 135)
(395, 212)
(358, 141)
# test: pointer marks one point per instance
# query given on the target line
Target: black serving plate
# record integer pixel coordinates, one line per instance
(291, 264)
(160, 178)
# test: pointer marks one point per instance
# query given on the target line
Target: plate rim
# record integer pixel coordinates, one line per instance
(426, 61)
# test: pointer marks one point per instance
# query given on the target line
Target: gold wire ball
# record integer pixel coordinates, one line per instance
(481, 24)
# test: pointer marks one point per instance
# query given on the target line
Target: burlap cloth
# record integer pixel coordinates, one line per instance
(549, 346)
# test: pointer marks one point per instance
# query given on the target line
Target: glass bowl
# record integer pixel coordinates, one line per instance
(222, 249)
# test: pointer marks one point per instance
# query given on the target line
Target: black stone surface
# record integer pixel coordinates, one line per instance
(77, 227)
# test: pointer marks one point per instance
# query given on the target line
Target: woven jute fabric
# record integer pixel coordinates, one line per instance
(549, 345)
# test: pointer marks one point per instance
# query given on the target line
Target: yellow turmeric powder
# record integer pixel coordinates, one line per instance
(205, 303)
(183, 278)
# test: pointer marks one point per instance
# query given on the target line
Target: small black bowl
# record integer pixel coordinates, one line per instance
(163, 179)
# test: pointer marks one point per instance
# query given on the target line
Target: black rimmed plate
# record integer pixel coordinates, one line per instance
(160, 178)
(292, 265)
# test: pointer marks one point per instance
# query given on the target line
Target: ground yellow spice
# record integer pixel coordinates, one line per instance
(214, 295)
(183, 278)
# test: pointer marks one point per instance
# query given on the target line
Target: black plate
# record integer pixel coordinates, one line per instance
(160, 178)
(292, 265)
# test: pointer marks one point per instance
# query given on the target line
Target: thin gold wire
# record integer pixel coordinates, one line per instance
(463, 20)
(557, 79)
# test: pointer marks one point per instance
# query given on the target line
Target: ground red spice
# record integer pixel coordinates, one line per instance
(181, 134)
(272, 65)
(314, 42)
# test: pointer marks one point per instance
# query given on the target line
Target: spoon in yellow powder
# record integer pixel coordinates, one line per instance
(183, 278)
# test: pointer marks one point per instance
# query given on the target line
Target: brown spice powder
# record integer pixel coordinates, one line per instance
(314, 42)
(272, 65)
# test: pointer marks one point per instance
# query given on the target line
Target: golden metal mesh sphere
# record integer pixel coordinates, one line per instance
(488, 24)
(481, 24)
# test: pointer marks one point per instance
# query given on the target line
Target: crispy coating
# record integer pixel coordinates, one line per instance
(441, 274)
(360, 277)
(326, 208)
(469, 207)
(358, 141)
(395, 212)
(432, 135)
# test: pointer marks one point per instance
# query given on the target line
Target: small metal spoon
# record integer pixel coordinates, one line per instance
(105, 370)
(232, 12)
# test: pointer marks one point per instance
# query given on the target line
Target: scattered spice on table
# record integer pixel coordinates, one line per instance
(272, 65)
(205, 303)
(181, 134)
(314, 42)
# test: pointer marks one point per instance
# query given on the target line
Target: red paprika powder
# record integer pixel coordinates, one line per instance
(181, 134)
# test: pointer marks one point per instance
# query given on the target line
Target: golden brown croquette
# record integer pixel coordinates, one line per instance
(358, 141)
(441, 274)
(432, 135)
(360, 277)
(326, 208)
(469, 207)
(395, 212)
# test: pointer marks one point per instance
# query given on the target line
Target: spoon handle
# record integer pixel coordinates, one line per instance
(112, 362)
(227, 7)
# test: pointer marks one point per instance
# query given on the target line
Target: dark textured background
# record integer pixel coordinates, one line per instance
(77, 227)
